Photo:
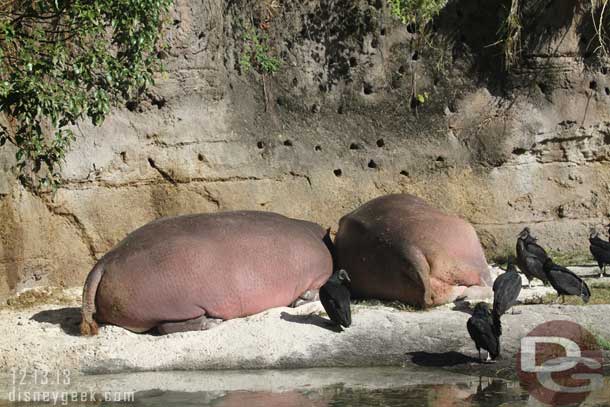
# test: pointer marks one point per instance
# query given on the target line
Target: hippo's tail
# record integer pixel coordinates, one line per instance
(88, 326)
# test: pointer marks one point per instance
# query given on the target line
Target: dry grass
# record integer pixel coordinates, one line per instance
(599, 295)
(400, 306)
(566, 259)
(602, 342)
(511, 33)
(571, 259)
(40, 296)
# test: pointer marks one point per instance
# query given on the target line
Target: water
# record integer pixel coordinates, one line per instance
(491, 392)
(336, 387)
(495, 393)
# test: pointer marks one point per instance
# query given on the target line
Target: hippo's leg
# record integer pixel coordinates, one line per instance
(475, 292)
(196, 324)
(454, 293)
(307, 296)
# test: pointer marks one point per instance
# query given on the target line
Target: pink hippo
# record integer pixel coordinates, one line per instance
(397, 247)
(183, 273)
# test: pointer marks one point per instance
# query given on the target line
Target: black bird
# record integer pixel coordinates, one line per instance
(566, 282)
(335, 298)
(531, 257)
(506, 290)
(600, 249)
(485, 330)
(496, 390)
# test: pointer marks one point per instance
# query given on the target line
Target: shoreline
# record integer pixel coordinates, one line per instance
(45, 337)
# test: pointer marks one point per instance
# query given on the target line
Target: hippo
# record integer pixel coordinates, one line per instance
(397, 247)
(191, 272)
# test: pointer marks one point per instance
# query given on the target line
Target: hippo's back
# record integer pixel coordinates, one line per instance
(226, 265)
(398, 247)
(414, 222)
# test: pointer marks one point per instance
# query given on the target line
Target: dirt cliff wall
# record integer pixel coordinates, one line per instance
(334, 127)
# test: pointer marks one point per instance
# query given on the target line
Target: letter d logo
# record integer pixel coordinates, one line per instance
(560, 363)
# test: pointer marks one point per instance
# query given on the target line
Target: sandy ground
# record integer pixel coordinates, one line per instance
(45, 337)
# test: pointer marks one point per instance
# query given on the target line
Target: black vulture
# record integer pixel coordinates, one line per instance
(496, 390)
(335, 298)
(566, 282)
(600, 249)
(506, 290)
(485, 331)
(531, 257)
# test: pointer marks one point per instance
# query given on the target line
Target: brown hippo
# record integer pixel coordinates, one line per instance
(176, 272)
(397, 247)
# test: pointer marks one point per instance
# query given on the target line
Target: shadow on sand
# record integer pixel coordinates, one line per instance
(68, 319)
(311, 319)
(462, 306)
(443, 359)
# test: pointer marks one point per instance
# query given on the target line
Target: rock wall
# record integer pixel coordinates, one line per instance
(333, 128)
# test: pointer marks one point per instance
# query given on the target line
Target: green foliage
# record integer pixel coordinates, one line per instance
(257, 53)
(65, 60)
(416, 12)
(422, 97)
(602, 342)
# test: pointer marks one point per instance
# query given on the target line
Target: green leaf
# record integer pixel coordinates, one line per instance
(104, 51)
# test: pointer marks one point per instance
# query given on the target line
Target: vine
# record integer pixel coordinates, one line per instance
(417, 15)
(598, 13)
